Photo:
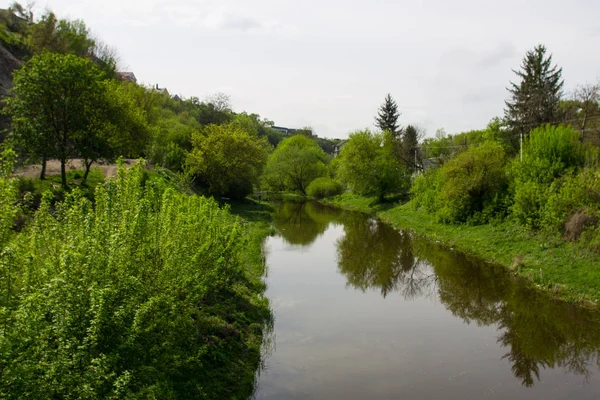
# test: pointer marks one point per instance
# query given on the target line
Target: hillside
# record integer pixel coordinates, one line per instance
(8, 63)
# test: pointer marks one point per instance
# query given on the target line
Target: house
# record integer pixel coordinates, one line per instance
(162, 90)
(281, 129)
(127, 76)
(177, 98)
(338, 147)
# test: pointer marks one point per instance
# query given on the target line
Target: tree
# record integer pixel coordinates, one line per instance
(387, 118)
(58, 103)
(118, 129)
(407, 149)
(227, 159)
(367, 163)
(583, 110)
(535, 100)
(295, 163)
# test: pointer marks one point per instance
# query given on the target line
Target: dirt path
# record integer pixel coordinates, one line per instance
(53, 168)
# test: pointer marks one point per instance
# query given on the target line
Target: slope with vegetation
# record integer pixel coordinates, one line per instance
(134, 286)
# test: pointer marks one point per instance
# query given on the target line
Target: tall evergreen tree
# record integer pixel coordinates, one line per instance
(387, 118)
(535, 100)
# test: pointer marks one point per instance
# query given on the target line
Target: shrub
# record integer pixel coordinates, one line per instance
(426, 191)
(551, 152)
(144, 295)
(324, 187)
(528, 203)
(473, 180)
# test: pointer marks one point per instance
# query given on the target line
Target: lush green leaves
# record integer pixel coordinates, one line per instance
(227, 159)
(295, 163)
(324, 187)
(368, 165)
(144, 295)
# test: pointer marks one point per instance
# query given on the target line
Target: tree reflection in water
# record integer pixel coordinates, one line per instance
(302, 223)
(538, 332)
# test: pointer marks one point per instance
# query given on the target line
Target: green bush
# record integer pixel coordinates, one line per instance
(473, 180)
(528, 203)
(548, 154)
(569, 195)
(427, 191)
(324, 187)
(145, 294)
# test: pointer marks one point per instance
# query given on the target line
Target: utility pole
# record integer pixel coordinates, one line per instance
(521, 146)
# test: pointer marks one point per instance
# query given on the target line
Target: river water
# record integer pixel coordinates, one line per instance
(363, 311)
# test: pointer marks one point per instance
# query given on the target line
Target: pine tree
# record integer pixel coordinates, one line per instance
(387, 119)
(536, 99)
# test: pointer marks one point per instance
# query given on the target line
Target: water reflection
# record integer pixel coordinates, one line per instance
(372, 255)
(537, 332)
(302, 223)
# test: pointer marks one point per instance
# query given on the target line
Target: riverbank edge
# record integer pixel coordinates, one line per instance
(566, 271)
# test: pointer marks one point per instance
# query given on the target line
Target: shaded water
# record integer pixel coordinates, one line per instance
(363, 311)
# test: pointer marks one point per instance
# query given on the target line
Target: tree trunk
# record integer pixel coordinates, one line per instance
(43, 172)
(88, 166)
(63, 173)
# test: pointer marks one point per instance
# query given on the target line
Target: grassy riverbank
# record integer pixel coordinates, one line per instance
(569, 271)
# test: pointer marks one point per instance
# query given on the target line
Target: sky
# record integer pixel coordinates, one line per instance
(328, 64)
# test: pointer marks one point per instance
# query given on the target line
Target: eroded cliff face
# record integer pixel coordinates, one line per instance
(8, 63)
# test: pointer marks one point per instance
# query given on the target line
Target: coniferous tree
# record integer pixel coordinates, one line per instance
(535, 100)
(387, 118)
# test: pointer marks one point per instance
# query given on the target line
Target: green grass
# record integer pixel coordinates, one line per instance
(353, 202)
(257, 217)
(570, 271)
(52, 183)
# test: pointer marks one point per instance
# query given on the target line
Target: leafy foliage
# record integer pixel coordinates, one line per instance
(147, 294)
(468, 188)
(60, 108)
(324, 187)
(368, 165)
(227, 159)
(294, 164)
(549, 153)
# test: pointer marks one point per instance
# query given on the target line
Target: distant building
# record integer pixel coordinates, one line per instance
(127, 76)
(338, 147)
(177, 98)
(282, 129)
(162, 90)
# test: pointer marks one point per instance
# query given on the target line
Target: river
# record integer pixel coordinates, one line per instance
(364, 311)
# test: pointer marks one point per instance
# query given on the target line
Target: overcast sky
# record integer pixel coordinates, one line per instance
(329, 63)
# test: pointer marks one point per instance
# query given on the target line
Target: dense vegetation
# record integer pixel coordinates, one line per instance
(131, 288)
(528, 183)
(147, 292)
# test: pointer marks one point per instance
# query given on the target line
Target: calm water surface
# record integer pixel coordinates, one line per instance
(363, 311)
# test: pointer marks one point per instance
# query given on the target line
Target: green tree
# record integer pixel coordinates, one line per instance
(227, 159)
(367, 163)
(535, 100)
(58, 103)
(295, 163)
(387, 117)
(117, 128)
(408, 150)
